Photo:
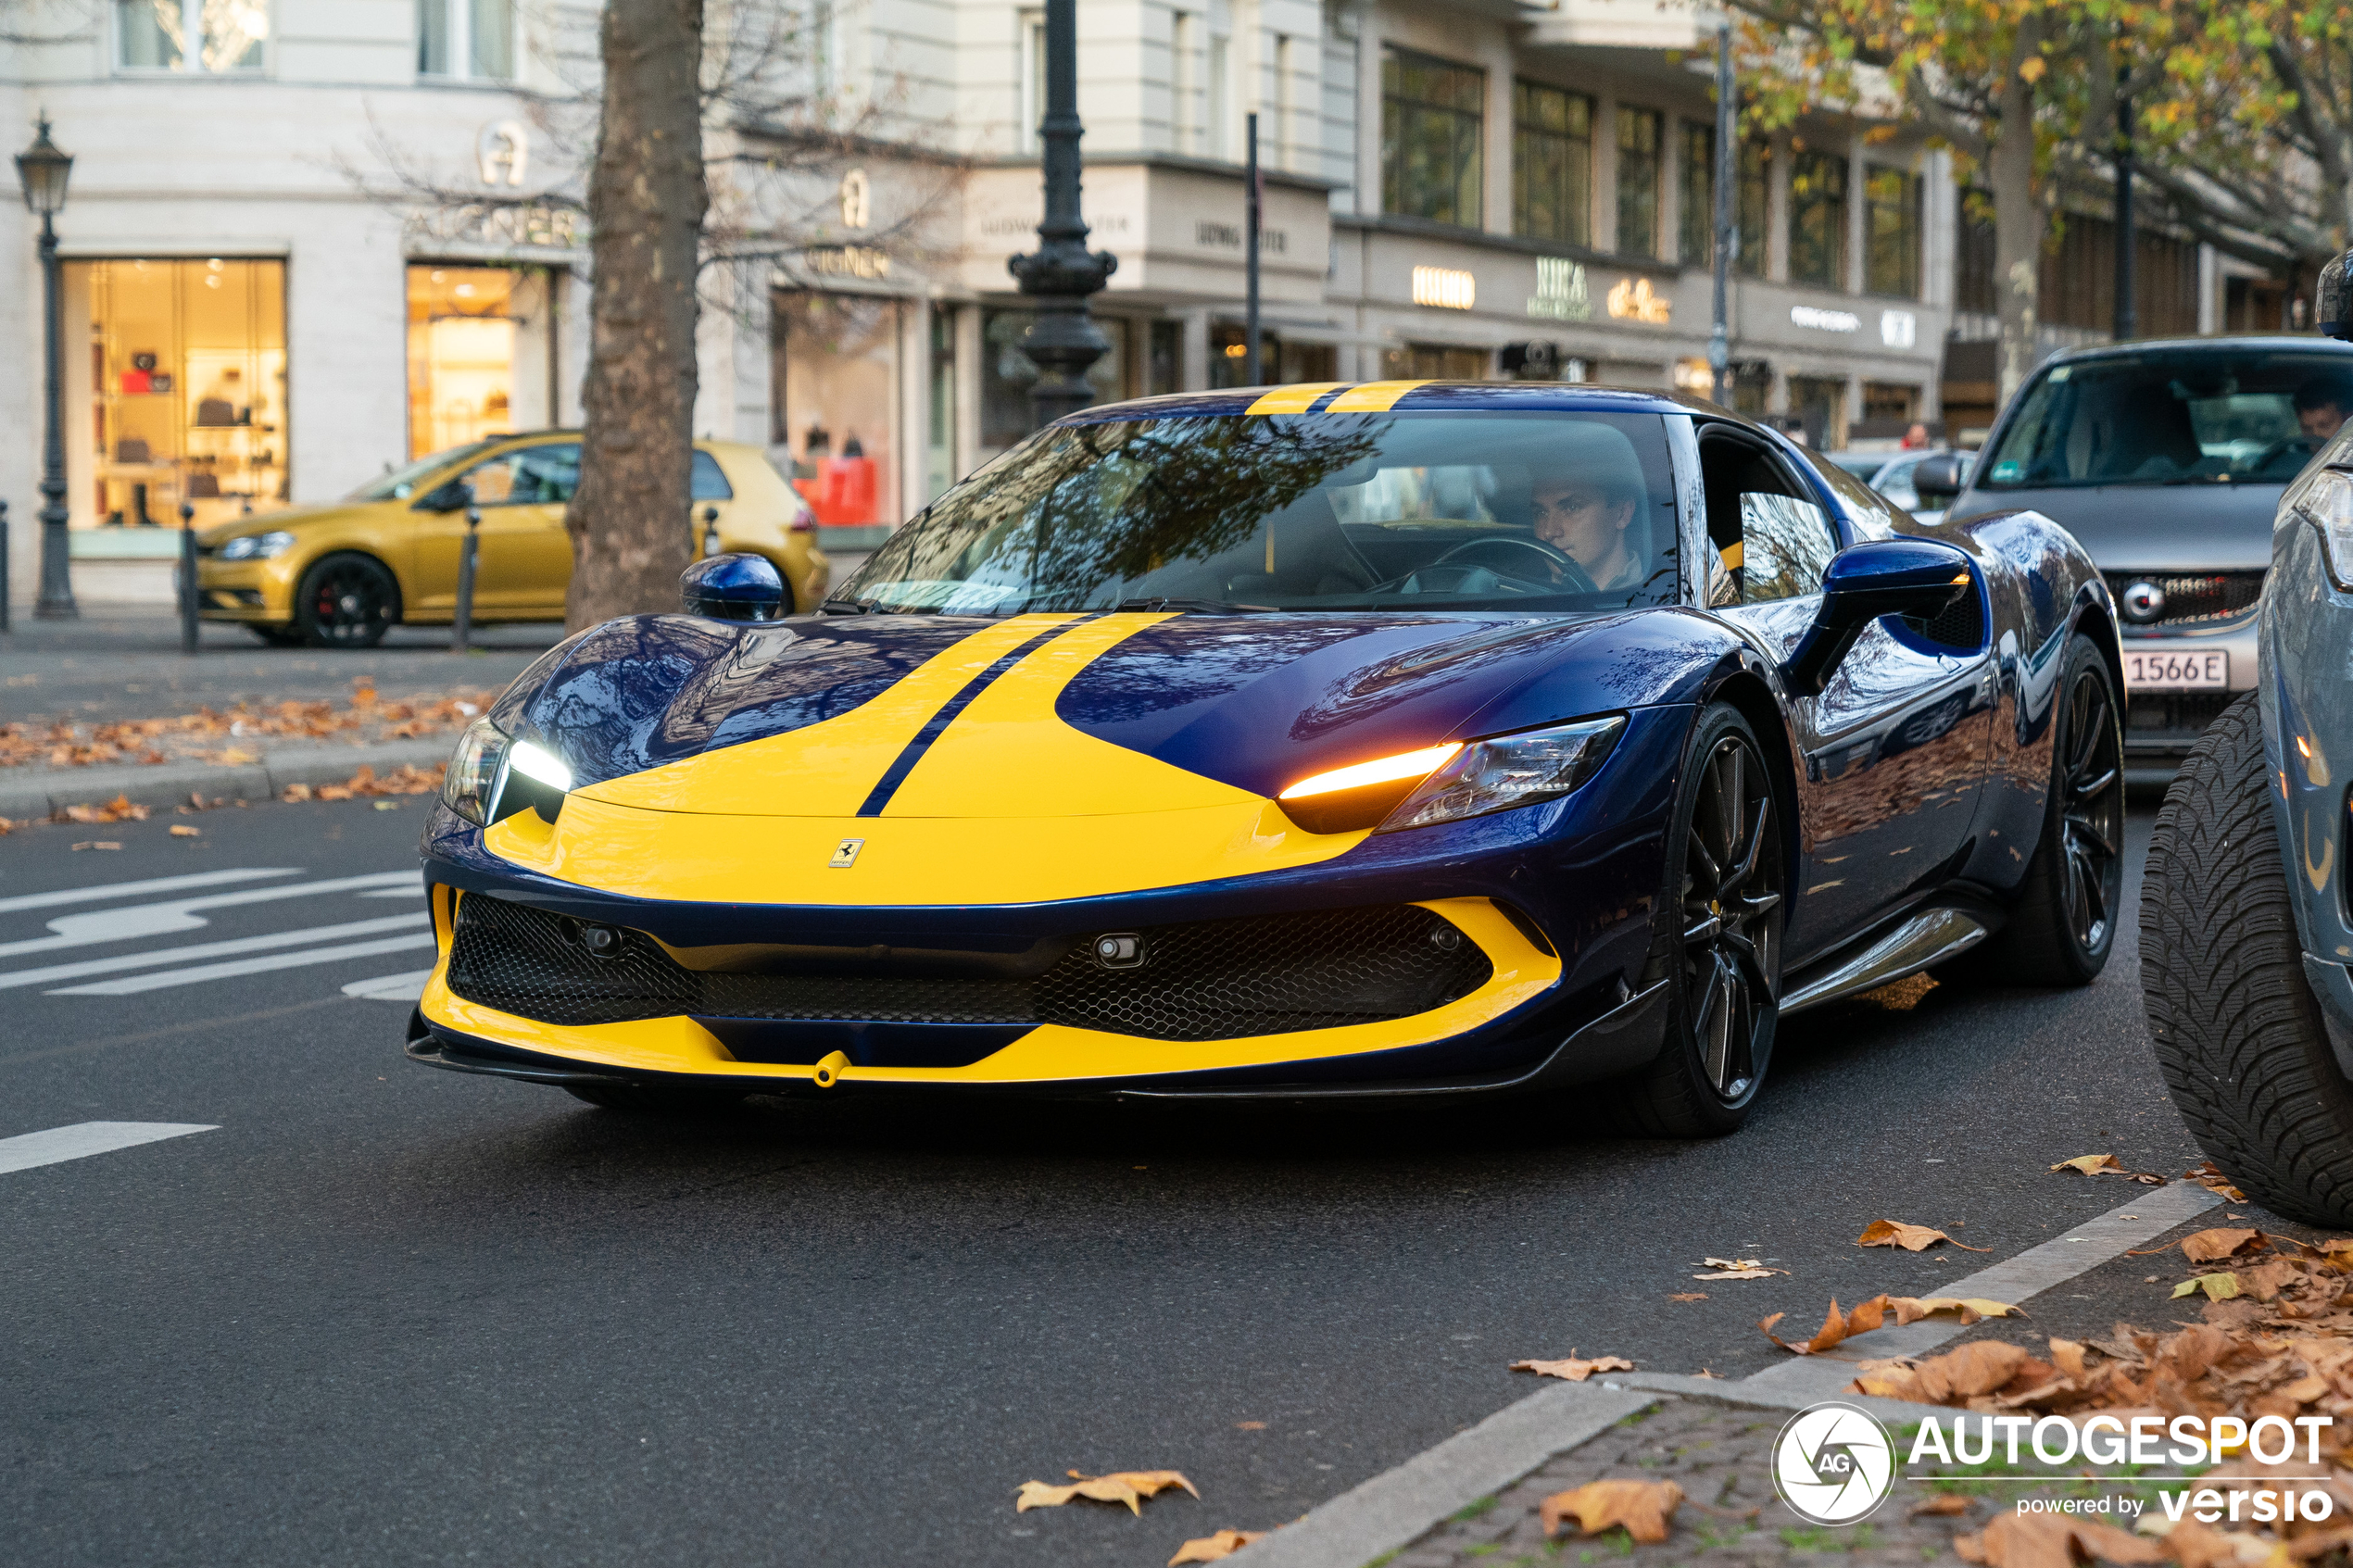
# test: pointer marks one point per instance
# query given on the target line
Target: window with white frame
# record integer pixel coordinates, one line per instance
(1183, 81)
(1220, 75)
(191, 35)
(465, 40)
(1033, 81)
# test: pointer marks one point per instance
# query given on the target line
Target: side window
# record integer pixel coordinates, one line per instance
(534, 476)
(1772, 539)
(709, 482)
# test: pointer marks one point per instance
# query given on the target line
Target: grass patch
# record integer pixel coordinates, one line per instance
(1469, 1511)
(1863, 1537)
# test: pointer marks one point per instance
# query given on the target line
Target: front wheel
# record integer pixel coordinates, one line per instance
(1718, 940)
(2239, 1035)
(346, 601)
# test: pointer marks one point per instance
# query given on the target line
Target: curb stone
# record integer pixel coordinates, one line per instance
(52, 790)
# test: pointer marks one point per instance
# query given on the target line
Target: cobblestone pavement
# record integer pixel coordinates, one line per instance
(1719, 1454)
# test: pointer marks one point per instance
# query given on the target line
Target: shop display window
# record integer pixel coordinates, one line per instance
(186, 395)
(481, 353)
(834, 401)
(1426, 361)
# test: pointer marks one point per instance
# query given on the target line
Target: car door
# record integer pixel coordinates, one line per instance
(1893, 750)
(713, 502)
(525, 563)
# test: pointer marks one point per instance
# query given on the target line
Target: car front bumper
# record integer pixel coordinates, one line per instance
(2163, 722)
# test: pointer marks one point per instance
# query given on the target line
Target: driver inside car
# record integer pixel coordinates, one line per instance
(1587, 512)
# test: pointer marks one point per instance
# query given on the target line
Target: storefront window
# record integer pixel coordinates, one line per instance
(1432, 117)
(1552, 164)
(1423, 361)
(1819, 402)
(1640, 148)
(833, 401)
(153, 34)
(1817, 220)
(1007, 374)
(481, 353)
(1892, 207)
(187, 389)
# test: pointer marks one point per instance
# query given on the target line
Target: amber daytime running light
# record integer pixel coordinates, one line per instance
(1445, 782)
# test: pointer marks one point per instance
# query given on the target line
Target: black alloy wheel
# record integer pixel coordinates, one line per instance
(1717, 942)
(2091, 819)
(1731, 918)
(346, 601)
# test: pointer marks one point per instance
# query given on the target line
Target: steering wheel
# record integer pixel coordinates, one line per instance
(2302, 445)
(1559, 565)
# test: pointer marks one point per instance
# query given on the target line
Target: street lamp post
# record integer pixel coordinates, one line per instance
(42, 168)
(1719, 336)
(1061, 272)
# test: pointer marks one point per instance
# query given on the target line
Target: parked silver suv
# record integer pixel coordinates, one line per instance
(2167, 459)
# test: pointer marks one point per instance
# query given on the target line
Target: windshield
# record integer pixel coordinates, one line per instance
(2173, 419)
(1439, 510)
(399, 484)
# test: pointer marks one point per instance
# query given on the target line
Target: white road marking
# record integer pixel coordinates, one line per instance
(152, 885)
(415, 889)
(406, 988)
(178, 914)
(11, 979)
(84, 1139)
(137, 982)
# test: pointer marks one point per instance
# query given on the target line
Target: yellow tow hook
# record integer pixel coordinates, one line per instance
(829, 1071)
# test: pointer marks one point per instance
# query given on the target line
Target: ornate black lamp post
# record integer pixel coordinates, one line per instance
(42, 168)
(1061, 272)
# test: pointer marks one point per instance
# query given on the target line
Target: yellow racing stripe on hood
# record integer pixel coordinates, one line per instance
(827, 769)
(1295, 399)
(1372, 398)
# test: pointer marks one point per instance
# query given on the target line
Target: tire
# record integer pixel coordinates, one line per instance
(2239, 1035)
(656, 1099)
(346, 600)
(1724, 966)
(2063, 926)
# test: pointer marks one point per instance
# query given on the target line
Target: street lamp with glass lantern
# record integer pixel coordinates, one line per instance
(43, 169)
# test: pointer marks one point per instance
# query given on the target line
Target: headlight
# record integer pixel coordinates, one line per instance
(471, 788)
(1495, 775)
(2324, 498)
(258, 546)
(1441, 783)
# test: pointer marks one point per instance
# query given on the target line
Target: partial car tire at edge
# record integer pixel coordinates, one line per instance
(2238, 1033)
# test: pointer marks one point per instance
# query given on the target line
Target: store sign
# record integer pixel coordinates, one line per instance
(502, 152)
(1228, 236)
(1898, 329)
(536, 224)
(857, 204)
(848, 262)
(1449, 288)
(1634, 300)
(1561, 293)
(1824, 321)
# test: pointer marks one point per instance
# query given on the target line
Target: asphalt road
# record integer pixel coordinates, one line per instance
(382, 1314)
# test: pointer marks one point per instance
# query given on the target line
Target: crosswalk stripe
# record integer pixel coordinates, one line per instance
(151, 884)
(406, 988)
(84, 1139)
(131, 984)
(12, 979)
(161, 919)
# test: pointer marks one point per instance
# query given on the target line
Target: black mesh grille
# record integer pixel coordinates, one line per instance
(2190, 600)
(2172, 720)
(1211, 980)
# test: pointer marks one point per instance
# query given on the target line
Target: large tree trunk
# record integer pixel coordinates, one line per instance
(2018, 217)
(647, 199)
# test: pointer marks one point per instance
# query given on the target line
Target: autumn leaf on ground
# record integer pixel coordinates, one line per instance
(1957, 1376)
(1945, 1505)
(2221, 1242)
(2218, 1287)
(1122, 1486)
(1738, 1268)
(1214, 1547)
(180, 830)
(2090, 1164)
(1573, 1369)
(1688, 1296)
(2043, 1540)
(2206, 1175)
(1837, 1328)
(1643, 1507)
(1912, 1238)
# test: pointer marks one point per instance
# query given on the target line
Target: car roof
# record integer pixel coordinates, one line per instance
(2268, 343)
(1404, 396)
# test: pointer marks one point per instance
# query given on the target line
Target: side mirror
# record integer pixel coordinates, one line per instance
(1937, 480)
(2333, 298)
(1922, 577)
(734, 587)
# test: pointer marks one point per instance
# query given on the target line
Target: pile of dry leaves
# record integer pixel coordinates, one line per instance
(403, 779)
(209, 734)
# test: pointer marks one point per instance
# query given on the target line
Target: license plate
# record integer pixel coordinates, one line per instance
(2177, 671)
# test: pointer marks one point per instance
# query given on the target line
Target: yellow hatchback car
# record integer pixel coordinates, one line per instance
(340, 575)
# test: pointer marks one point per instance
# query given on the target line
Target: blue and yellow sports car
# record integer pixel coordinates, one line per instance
(1403, 737)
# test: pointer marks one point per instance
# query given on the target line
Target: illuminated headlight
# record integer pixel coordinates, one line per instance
(258, 546)
(1495, 775)
(2324, 498)
(471, 788)
(537, 762)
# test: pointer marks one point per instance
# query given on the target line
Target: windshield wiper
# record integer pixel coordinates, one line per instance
(849, 607)
(1204, 606)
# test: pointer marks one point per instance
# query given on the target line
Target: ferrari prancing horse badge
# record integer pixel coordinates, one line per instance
(846, 853)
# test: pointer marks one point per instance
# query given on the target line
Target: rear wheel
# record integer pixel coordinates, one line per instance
(2239, 1035)
(657, 1100)
(1718, 942)
(346, 601)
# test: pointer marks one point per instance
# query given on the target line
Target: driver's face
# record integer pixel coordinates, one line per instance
(2321, 422)
(1575, 519)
